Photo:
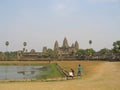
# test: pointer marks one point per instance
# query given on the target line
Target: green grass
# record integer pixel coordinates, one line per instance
(52, 72)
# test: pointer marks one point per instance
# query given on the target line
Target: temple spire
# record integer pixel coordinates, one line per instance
(76, 45)
(56, 46)
(73, 45)
(65, 43)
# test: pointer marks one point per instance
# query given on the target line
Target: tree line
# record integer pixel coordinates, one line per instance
(80, 54)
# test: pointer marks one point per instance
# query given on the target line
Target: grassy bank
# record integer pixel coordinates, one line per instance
(53, 72)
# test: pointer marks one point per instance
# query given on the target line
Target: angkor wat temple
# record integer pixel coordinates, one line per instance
(65, 49)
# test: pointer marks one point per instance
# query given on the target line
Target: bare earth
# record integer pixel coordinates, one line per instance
(106, 76)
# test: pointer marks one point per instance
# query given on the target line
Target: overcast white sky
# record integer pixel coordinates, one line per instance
(41, 22)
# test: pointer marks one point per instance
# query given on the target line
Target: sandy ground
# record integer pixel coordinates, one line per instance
(107, 77)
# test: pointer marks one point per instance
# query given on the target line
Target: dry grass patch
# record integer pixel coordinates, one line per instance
(89, 67)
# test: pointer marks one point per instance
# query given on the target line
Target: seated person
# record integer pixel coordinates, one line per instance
(71, 74)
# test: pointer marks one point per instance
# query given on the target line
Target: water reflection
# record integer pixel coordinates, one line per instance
(20, 72)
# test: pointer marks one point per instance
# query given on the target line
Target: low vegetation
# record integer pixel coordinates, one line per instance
(53, 72)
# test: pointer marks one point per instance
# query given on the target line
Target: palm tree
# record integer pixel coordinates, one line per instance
(24, 44)
(90, 42)
(7, 44)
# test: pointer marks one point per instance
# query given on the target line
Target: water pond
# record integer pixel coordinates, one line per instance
(13, 72)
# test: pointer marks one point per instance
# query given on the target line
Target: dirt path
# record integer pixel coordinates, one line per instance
(106, 78)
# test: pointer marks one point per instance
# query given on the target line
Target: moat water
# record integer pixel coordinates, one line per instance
(20, 72)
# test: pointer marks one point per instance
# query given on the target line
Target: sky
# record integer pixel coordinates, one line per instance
(41, 22)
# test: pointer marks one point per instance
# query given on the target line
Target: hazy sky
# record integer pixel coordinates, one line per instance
(41, 22)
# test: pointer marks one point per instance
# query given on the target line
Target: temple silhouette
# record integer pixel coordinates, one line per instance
(65, 49)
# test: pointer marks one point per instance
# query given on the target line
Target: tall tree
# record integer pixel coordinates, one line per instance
(90, 42)
(7, 44)
(24, 44)
(116, 47)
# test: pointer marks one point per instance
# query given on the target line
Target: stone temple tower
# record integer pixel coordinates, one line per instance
(73, 45)
(65, 43)
(65, 49)
(76, 45)
(56, 46)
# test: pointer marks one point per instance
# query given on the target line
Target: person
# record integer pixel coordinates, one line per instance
(79, 70)
(73, 72)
